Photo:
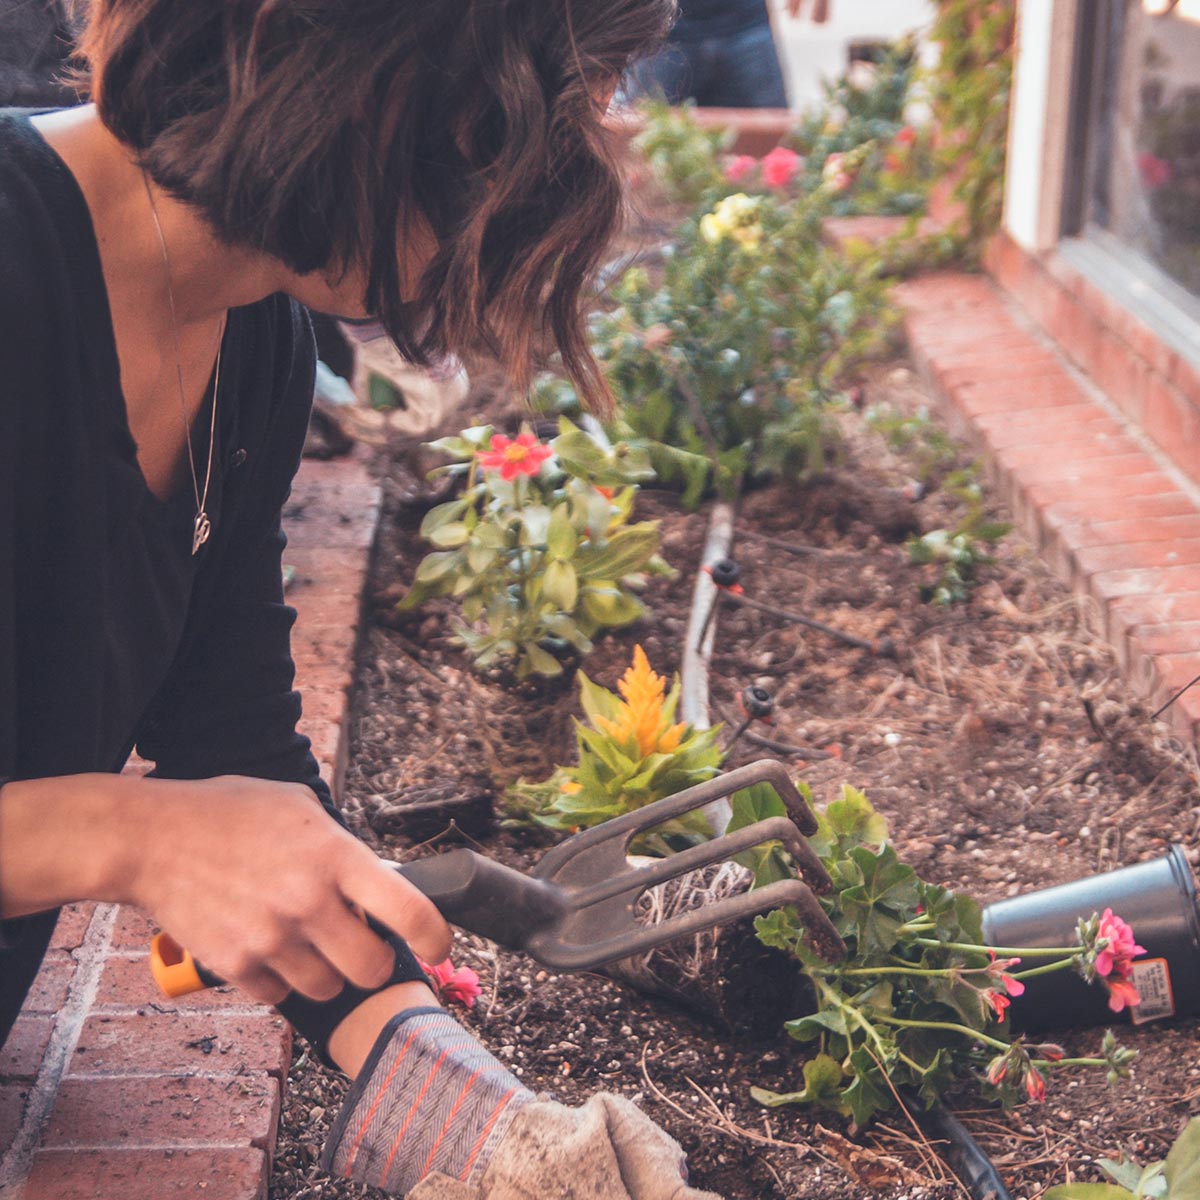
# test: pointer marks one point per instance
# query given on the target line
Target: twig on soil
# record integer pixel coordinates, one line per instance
(1155, 715)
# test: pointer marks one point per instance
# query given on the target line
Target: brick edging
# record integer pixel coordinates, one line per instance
(108, 1091)
(1107, 508)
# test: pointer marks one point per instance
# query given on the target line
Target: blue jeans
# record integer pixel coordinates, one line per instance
(736, 72)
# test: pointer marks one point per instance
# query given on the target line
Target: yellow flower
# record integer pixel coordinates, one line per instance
(642, 717)
(736, 217)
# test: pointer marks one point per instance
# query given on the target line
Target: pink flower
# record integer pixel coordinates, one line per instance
(906, 137)
(1155, 171)
(454, 985)
(835, 174)
(1117, 957)
(1035, 1085)
(998, 969)
(740, 167)
(998, 1002)
(524, 456)
(1121, 993)
(780, 166)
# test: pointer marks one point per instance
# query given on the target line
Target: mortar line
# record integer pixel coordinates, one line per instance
(68, 1024)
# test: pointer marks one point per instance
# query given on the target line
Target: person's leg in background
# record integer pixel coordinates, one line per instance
(744, 71)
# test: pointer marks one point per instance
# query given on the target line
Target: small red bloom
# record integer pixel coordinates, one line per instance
(522, 456)
(780, 166)
(740, 167)
(1035, 1085)
(1121, 993)
(454, 985)
(998, 1002)
(906, 137)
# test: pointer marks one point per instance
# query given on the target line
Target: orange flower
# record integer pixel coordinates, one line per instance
(642, 718)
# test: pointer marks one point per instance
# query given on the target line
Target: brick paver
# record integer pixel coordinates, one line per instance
(110, 1092)
(1110, 511)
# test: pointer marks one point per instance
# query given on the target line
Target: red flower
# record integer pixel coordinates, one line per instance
(1121, 993)
(780, 166)
(1035, 1085)
(1117, 957)
(524, 456)
(998, 1002)
(740, 167)
(1155, 171)
(998, 968)
(906, 137)
(454, 985)
(997, 1069)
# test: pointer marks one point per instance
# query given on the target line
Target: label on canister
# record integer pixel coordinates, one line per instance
(1152, 978)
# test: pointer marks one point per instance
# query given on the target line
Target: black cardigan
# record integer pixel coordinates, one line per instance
(111, 634)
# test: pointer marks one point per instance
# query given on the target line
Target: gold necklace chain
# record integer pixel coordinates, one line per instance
(201, 525)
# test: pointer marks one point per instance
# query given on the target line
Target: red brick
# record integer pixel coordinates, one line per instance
(72, 924)
(1169, 673)
(328, 741)
(324, 655)
(1173, 421)
(324, 704)
(1120, 375)
(133, 929)
(1095, 559)
(1070, 453)
(236, 1174)
(21, 1056)
(1048, 463)
(331, 571)
(12, 1109)
(1100, 510)
(319, 608)
(1048, 493)
(1128, 532)
(49, 990)
(1129, 614)
(313, 525)
(1178, 637)
(1083, 421)
(946, 291)
(126, 983)
(1108, 585)
(166, 1111)
(1017, 396)
(208, 1042)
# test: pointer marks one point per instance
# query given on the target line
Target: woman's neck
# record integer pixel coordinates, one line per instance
(206, 278)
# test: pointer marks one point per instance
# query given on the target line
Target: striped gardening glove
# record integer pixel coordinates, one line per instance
(433, 1116)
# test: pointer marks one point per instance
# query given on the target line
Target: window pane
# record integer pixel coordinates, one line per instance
(1147, 140)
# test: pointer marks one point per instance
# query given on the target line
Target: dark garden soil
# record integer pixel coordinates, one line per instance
(975, 741)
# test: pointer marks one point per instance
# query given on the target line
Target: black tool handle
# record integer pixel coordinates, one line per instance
(486, 897)
(962, 1152)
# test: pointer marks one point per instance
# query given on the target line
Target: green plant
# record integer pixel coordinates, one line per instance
(632, 752)
(958, 553)
(1177, 1177)
(684, 159)
(914, 435)
(734, 356)
(970, 90)
(920, 999)
(538, 547)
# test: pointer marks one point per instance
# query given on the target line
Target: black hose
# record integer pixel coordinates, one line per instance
(960, 1151)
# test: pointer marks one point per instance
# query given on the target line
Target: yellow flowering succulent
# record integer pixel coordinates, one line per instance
(738, 217)
(632, 752)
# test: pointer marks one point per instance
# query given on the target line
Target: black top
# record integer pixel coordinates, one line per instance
(111, 633)
(36, 37)
(701, 19)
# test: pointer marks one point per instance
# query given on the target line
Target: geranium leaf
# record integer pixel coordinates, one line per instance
(1182, 1168)
(807, 1029)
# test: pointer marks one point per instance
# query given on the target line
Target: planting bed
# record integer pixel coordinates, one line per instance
(1000, 744)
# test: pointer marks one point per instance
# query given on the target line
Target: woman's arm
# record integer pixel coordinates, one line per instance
(252, 876)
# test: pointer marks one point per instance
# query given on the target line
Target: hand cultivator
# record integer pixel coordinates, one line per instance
(575, 911)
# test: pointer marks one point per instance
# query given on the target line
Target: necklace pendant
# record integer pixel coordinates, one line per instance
(200, 531)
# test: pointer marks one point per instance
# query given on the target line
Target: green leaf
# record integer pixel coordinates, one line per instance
(435, 567)
(627, 551)
(561, 538)
(822, 1082)
(868, 1094)
(453, 533)
(807, 1029)
(540, 660)
(443, 514)
(560, 586)
(1182, 1168)
(610, 607)
(1087, 1191)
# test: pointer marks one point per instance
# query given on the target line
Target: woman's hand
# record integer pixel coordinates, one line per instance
(253, 877)
(261, 885)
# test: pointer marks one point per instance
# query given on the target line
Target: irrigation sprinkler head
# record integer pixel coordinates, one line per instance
(757, 703)
(726, 573)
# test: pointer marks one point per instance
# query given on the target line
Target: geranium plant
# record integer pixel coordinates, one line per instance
(632, 751)
(736, 352)
(539, 546)
(921, 999)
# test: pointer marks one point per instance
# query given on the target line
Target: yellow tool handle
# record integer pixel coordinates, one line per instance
(174, 969)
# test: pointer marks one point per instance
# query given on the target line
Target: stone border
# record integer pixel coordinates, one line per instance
(106, 1089)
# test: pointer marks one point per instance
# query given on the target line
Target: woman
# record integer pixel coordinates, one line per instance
(442, 168)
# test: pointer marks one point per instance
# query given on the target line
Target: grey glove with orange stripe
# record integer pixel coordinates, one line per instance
(433, 1116)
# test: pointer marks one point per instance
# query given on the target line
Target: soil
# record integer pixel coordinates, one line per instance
(1000, 742)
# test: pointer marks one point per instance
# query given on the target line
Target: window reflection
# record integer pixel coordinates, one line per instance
(1147, 184)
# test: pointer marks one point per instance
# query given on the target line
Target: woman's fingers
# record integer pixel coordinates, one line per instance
(376, 888)
(264, 985)
(352, 949)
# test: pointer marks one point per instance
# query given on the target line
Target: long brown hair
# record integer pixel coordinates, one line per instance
(328, 132)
